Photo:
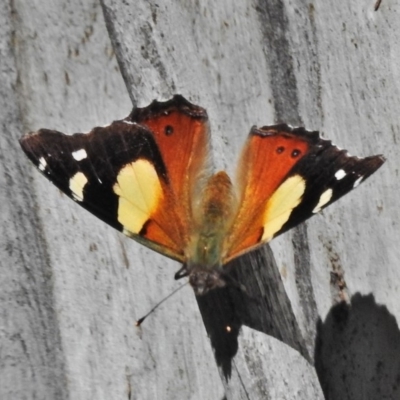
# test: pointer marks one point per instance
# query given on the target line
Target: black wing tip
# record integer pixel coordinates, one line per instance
(26, 141)
(27, 136)
(381, 157)
(378, 159)
(373, 163)
(32, 140)
(36, 134)
(177, 103)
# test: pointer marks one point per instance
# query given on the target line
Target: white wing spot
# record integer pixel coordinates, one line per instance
(340, 174)
(42, 164)
(324, 199)
(79, 155)
(358, 181)
(129, 122)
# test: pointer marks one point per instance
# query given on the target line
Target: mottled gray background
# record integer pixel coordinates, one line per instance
(71, 287)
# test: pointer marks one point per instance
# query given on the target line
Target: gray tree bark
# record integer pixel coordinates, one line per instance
(323, 323)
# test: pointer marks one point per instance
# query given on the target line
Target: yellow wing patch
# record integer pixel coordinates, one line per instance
(77, 184)
(139, 190)
(325, 197)
(280, 205)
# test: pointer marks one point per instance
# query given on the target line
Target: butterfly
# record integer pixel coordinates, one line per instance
(150, 177)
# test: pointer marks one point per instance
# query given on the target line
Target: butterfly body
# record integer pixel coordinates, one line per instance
(213, 216)
(150, 177)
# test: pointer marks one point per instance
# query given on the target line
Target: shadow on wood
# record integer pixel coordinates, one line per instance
(262, 304)
(357, 354)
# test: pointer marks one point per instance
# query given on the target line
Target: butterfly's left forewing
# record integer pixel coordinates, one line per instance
(285, 176)
(130, 174)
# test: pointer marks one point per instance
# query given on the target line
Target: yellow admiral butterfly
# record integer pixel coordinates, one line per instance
(149, 176)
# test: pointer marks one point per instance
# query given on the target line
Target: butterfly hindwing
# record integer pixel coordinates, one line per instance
(286, 175)
(123, 173)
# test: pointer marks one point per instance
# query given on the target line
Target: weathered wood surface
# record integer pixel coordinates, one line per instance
(71, 287)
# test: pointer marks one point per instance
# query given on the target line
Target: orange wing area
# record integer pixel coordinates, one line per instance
(182, 134)
(267, 158)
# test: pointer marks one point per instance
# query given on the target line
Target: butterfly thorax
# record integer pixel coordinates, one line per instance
(212, 219)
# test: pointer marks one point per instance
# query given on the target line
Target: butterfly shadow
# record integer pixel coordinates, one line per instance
(260, 303)
(357, 353)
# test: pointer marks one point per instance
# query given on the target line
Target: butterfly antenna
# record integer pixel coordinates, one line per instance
(140, 320)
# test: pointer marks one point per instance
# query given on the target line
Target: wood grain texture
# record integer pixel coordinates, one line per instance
(69, 321)
(71, 287)
(30, 340)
